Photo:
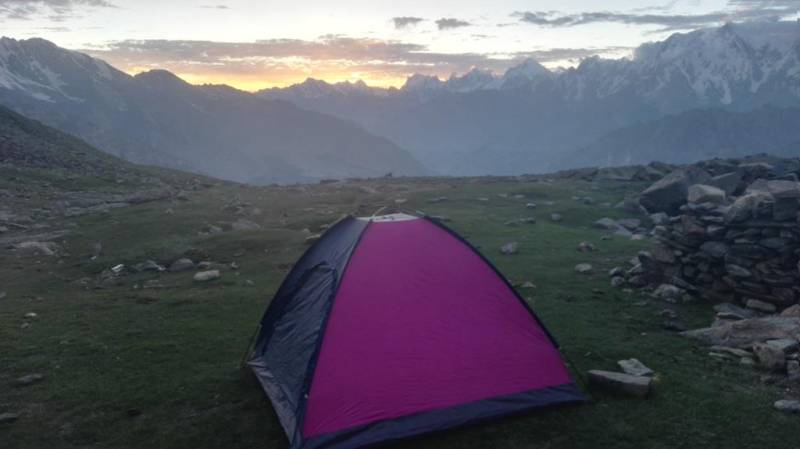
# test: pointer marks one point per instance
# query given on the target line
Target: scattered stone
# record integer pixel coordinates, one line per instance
(528, 285)
(31, 315)
(510, 248)
(557, 218)
(606, 223)
(630, 224)
(583, 268)
(311, 239)
(204, 265)
(787, 406)
(401, 201)
(148, 265)
(586, 247)
(438, 199)
(47, 249)
(634, 367)
(735, 352)
(616, 271)
(617, 281)
(245, 225)
(205, 276)
(638, 386)
(6, 418)
(531, 205)
(29, 379)
(182, 264)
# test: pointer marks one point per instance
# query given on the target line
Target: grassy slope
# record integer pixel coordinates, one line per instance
(173, 354)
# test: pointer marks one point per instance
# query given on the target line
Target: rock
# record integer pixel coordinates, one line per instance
(787, 406)
(606, 223)
(729, 182)
(583, 268)
(634, 367)
(669, 293)
(745, 206)
(205, 276)
(630, 224)
(663, 254)
(785, 345)
(738, 272)
(148, 265)
(438, 199)
(616, 271)
(735, 352)
(669, 193)
(777, 188)
(638, 386)
(747, 332)
(792, 312)
(6, 418)
(617, 281)
(204, 265)
(48, 249)
(700, 193)
(97, 249)
(510, 248)
(245, 225)
(311, 239)
(531, 205)
(556, 217)
(2, 295)
(586, 247)
(769, 357)
(528, 285)
(659, 218)
(31, 315)
(734, 311)
(716, 250)
(793, 370)
(30, 379)
(401, 201)
(761, 306)
(182, 264)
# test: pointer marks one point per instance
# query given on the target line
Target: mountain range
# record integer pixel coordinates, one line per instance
(723, 91)
(526, 119)
(157, 118)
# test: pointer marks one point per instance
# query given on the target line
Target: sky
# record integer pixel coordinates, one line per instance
(252, 44)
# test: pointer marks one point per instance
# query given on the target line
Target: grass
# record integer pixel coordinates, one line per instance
(130, 367)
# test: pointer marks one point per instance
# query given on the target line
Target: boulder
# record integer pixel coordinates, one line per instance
(669, 193)
(748, 331)
(638, 386)
(728, 182)
(745, 207)
(634, 367)
(205, 276)
(701, 193)
(714, 249)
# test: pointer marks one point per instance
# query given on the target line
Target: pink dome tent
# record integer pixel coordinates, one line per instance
(394, 326)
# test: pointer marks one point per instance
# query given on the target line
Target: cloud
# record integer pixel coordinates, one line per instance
(744, 10)
(406, 21)
(215, 6)
(55, 10)
(450, 23)
(254, 65)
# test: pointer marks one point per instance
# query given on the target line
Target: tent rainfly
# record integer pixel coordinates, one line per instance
(394, 326)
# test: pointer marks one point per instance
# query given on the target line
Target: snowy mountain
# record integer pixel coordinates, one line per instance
(157, 118)
(522, 120)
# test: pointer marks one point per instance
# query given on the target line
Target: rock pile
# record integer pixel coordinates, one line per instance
(732, 238)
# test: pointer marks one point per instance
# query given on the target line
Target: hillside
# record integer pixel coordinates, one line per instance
(158, 119)
(697, 135)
